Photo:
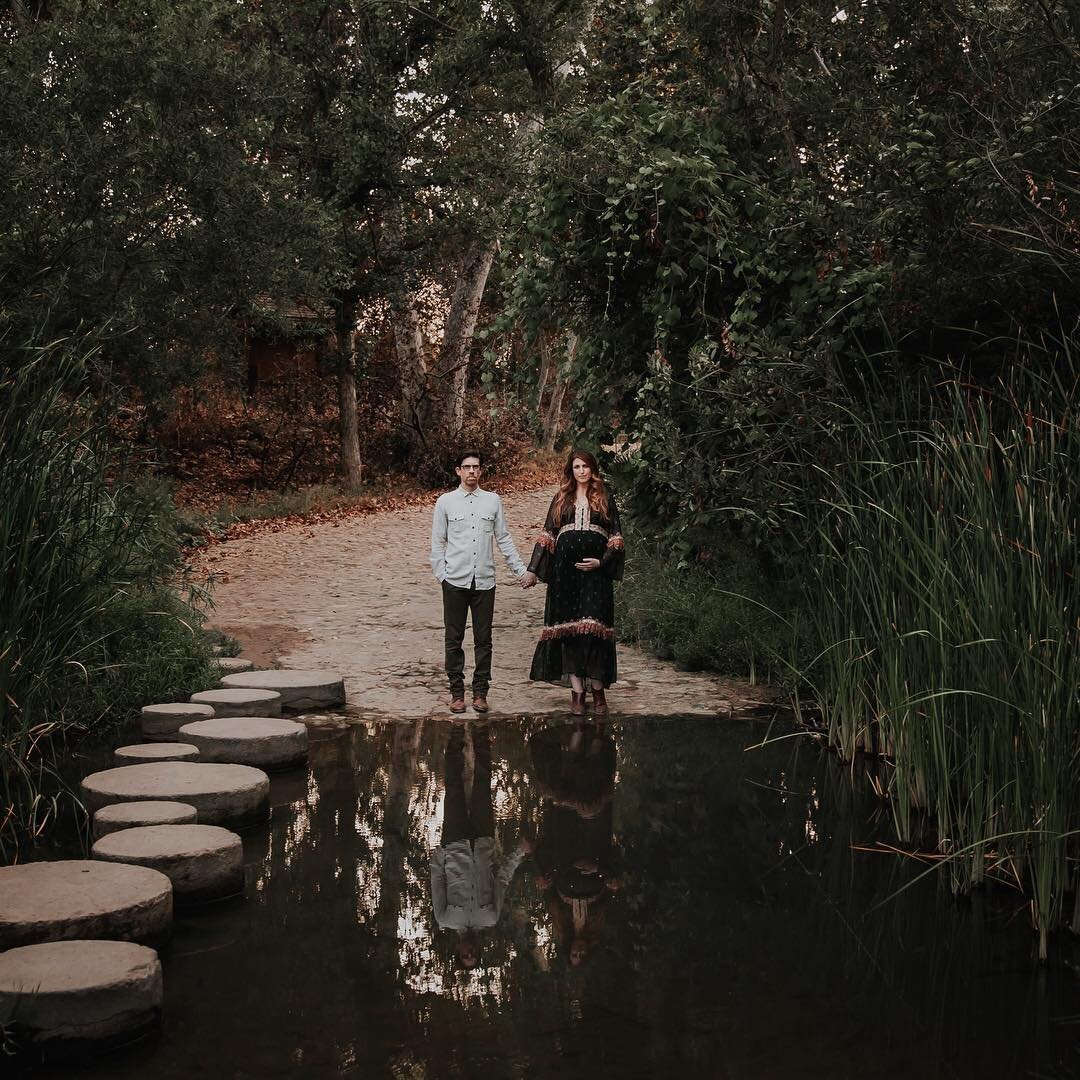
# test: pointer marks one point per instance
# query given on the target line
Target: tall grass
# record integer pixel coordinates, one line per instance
(944, 599)
(91, 624)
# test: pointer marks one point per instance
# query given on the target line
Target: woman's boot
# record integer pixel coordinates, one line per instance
(577, 703)
(599, 702)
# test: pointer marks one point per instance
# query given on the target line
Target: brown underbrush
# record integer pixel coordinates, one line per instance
(237, 463)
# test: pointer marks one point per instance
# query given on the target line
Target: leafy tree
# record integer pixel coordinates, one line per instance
(151, 182)
(745, 207)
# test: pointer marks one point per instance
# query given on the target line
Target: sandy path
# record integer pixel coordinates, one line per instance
(358, 597)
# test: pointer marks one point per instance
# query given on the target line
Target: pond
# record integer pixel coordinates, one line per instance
(691, 908)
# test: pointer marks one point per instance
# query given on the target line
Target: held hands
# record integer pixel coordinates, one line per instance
(528, 579)
(588, 564)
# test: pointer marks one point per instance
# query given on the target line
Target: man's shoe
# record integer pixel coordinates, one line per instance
(479, 702)
(577, 703)
(457, 704)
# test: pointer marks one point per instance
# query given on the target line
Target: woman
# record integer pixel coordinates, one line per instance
(579, 555)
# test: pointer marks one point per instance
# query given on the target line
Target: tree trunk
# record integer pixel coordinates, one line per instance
(552, 421)
(416, 400)
(554, 413)
(475, 267)
(545, 368)
(348, 426)
(460, 325)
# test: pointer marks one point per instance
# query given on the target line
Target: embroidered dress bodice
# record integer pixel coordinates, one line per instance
(582, 516)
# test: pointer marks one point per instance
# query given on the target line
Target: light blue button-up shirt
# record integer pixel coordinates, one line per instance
(466, 888)
(464, 525)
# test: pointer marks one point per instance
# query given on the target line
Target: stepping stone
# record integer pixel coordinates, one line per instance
(63, 991)
(234, 665)
(233, 795)
(249, 740)
(131, 815)
(160, 723)
(298, 689)
(58, 901)
(236, 701)
(155, 751)
(203, 862)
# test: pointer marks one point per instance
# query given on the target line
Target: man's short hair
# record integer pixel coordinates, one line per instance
(463, 454)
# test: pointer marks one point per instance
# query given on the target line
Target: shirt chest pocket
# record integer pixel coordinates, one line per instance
(486, 523)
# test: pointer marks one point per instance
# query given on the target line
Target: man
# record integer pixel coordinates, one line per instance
(466, 522)
(468, 880)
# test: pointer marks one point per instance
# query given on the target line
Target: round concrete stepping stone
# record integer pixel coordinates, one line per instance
(237, 701)
(160, 723)
(131, 815)
(155, 751)
(261, 741)
(59, 901)
(203, 862)
(81, 990)
(234, 665)
(222, 794)
(298, 689)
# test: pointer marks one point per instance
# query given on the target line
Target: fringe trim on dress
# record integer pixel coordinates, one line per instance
(578, 626)
(616, 542)
(546, 541)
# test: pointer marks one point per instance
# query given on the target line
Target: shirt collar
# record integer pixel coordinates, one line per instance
(468, 494)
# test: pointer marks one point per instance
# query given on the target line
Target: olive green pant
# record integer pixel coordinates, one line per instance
(457, 604)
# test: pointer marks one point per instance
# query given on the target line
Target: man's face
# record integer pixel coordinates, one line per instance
(469, 473)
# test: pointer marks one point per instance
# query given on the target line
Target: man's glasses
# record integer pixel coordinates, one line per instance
(469, 468)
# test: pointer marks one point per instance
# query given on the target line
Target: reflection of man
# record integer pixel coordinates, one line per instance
(468, 881)
(465, 522)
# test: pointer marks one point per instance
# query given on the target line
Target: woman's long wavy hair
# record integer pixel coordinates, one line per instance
(597, 494)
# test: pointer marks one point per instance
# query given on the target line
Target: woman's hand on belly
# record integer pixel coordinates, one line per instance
(588, 564)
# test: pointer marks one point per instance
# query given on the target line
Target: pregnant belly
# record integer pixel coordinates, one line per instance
(581, 544)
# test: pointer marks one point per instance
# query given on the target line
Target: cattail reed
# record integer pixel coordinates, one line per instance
(945, 602)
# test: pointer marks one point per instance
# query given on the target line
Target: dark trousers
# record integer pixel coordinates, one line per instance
(457, 603)
(468, 819)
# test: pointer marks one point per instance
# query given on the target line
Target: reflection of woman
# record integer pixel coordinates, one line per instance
(576, 857)
(579, 554)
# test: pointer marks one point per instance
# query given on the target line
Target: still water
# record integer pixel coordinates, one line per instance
(690, 908)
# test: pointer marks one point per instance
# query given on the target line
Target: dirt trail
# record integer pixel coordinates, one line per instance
(358, 597)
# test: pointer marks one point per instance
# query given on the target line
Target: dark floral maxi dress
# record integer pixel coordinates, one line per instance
(579, 614)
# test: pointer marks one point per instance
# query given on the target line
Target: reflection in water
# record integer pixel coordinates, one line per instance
(689, 910)
(576, 856)
(469, 879)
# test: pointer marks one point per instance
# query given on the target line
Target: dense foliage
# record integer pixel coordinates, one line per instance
(148, 183)
(747, 206)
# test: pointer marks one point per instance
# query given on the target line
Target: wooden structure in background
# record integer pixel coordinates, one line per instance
(274, 356)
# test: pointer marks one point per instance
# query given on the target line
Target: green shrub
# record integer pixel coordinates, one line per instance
(91, 622)
(729, 614)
